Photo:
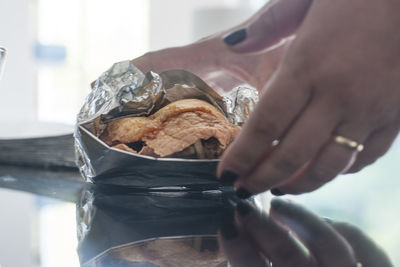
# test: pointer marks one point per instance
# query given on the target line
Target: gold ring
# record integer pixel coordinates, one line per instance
(350, 144)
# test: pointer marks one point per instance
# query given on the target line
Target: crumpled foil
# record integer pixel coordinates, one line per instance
(108, 89)
(124, 90)
(239, 103)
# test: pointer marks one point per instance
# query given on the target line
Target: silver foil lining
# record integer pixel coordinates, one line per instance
(124, 90)
(239, 103)
(106, 93)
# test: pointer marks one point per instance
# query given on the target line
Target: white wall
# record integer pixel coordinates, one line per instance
(179, 22)
(17, 94)
(17, 103)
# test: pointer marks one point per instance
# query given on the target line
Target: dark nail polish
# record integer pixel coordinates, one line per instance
(228, 178)
(235, 37)
(227, 227)
(277, 203)
(244, 208)
(243, 193)
(276, 192)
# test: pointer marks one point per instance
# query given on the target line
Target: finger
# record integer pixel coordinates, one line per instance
(332, 160)
(281, 102)
(325, 244)
(376, 145)
(303, 141)
(272, 240)
(204, 54)
(237, 247)
(366, 250)
(277, 20)
(239, 252)
(222, 81)
(255, 69)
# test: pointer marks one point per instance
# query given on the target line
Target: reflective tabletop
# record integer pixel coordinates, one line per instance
(54, 218)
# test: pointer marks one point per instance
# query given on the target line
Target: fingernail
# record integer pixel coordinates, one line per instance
(244, 208)
(277, 203)
(243, 193)
(276, 192)
(228, 178)
(235, 37)
(227, 228)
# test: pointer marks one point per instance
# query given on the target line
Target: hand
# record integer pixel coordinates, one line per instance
(340, 76)
(277, 238)
(220, 67)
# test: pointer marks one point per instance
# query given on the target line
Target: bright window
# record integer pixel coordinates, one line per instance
(77, 41)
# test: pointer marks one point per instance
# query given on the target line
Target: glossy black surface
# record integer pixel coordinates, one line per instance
(111, 217)
(159, 226)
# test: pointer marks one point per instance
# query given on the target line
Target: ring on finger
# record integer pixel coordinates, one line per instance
(348, 143)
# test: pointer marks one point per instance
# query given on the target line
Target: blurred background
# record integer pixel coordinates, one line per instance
(56, 48)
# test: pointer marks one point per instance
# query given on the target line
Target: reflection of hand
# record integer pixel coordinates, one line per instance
(340, 76)
(259, 237)
(220, 67)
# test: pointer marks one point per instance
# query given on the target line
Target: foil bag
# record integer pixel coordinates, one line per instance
(123, 91)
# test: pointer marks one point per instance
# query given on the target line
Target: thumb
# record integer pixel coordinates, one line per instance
(275, 21)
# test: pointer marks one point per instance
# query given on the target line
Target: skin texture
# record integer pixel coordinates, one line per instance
(340, 76)
(210, 59)
(328, 244)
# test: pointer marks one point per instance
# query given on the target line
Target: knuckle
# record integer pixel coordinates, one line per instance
(323, 174)
(302, 66)
(348, 229)
(286, 164)
(263, 127)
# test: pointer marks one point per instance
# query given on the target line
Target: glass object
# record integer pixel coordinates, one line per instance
(3, 54)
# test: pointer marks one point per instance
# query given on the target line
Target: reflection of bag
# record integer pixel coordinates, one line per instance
(165, 252)
(147, 228)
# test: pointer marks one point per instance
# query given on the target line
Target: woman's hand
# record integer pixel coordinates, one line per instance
(220, 67)
(339, 77)
(209, 59)
(260, 239)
